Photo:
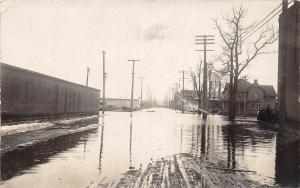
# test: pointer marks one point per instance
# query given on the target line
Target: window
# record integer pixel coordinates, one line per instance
(255, 95)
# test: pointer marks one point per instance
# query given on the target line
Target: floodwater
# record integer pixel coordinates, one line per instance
(122, 142)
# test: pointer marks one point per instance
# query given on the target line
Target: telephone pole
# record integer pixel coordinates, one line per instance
(141, 90)
(210, 84)
(205, 40)
(87, 76)
(183, 77)
(182, 94)
(148, 96)
(104, 79)
(132, 83)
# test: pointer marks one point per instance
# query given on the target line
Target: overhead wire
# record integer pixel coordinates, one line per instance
(263, 22)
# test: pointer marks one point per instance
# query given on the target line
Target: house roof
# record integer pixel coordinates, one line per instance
(244, 85)
(269, 90)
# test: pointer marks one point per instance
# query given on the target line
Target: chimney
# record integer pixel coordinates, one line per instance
(255, 82)
(284, 5)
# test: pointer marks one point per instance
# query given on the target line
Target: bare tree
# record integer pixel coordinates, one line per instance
(234, 47)
(196, 79)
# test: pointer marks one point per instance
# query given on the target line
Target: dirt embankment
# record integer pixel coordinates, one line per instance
(27, 134)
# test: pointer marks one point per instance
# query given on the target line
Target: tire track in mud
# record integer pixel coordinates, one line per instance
(182, 170)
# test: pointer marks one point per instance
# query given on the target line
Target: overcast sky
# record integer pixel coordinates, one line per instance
(62, 38)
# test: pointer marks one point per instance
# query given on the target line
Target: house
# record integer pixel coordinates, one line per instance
(250, 98)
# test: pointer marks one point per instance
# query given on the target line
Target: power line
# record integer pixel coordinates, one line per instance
(264, 19)
(246, 37)
(263, 22)
(257, 27)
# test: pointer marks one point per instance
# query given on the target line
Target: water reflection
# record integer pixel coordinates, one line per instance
(16, 162)
(0, 159)
(130, 144)
(287, 160)
(131, 141)
(101, 145)
(240, 146)
(203, 138)
(231, 136)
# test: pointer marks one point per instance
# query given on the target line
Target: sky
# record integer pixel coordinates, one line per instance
(61, 38)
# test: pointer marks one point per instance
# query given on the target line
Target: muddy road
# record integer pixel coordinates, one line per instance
(102, 156)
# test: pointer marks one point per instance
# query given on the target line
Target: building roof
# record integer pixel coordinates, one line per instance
(40, 75)
(244, 85)
(269, 90)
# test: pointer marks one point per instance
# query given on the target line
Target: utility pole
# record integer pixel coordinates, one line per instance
(132, 83)
(151, 98)
(210, 85)
(182, 93)
(177, 87)
(87, 76)
(205, 40)
(245, 105)
(173, 98)
(214, 96)
(193, 97)
(141, 90)
(104, 79)
(148, 96)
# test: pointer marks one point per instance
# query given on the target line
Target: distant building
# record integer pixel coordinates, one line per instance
(192, 97)
(250, 97)
(124, 104)
(189, 94)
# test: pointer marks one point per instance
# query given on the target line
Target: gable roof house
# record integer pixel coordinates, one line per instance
(251, 97)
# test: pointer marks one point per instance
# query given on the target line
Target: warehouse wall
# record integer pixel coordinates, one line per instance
(27, 95)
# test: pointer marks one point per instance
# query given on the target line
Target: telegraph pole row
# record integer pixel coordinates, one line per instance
(205, 40)
(132, 83)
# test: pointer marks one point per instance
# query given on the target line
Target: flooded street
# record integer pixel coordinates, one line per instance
(121, 143)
